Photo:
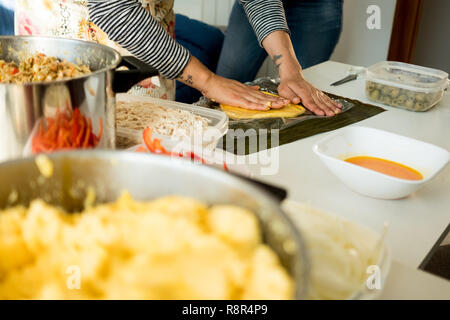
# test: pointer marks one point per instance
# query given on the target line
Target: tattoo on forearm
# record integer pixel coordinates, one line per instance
(276, 58)
(189, 80)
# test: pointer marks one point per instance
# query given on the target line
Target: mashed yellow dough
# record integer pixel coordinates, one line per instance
(170, 248)
(289, 111)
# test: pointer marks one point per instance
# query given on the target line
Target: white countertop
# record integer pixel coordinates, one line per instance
(416, 223)
(405, 283)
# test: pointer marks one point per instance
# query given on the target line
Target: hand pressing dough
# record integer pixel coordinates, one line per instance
(289, 111)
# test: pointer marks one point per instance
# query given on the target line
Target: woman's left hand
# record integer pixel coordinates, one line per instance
(293, 85)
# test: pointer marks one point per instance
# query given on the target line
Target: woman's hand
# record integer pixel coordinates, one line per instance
(225, 91)
(295, 88)
(234, 93)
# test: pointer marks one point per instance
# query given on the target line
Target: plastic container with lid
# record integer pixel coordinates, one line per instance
(217, 125)
(405, 86)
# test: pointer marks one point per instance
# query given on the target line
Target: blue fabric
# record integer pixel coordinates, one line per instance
(6, 21)
(204, 42)
(315, 29)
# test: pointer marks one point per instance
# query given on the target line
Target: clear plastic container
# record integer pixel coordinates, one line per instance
(217, 128)
(405, 86)
(355, 232)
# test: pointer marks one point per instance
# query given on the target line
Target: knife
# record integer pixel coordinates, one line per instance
(348, 78)
(353, 74)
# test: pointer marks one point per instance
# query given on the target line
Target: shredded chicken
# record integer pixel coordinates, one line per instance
(165, 121)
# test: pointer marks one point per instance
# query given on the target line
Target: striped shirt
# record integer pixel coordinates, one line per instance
(266, 16)
(134, 28)
(131, 26)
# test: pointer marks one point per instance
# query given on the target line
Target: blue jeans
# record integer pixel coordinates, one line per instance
(6, 21)
(315, 30)
(204, 42)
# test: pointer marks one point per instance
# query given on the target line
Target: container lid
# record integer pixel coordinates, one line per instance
(217, 120)
(408, 76)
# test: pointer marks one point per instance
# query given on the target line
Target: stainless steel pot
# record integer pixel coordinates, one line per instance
(23, 105)
(146, 177)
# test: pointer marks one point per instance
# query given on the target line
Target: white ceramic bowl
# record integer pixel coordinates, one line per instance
(362, 141)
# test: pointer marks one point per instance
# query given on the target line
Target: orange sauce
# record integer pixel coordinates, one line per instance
(387, 167)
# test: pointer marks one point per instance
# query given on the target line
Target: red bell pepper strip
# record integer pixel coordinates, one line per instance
(87, 136)
(147, 134)
(100, 131)
(154, 146)
(142, 149)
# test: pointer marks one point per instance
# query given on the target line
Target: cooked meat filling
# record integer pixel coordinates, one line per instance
(40, 68)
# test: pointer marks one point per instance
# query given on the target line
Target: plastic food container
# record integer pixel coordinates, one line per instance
(405, 86)
(217, 128)
(355, 232)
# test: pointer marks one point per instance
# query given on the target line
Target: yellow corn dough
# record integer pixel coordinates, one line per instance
(169, 248)
(289, 111)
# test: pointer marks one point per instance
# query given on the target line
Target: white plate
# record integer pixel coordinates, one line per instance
(426, 158)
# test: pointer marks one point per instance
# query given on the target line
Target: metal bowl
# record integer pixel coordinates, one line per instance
(98, 57)
(147, 177)
(24, 106)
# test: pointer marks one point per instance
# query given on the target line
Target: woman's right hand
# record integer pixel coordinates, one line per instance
(234, 93)
(225, 91)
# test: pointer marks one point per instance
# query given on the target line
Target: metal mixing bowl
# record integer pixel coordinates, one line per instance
(147, 177)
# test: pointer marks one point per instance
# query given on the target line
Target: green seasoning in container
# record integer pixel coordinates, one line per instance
(405, 86)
